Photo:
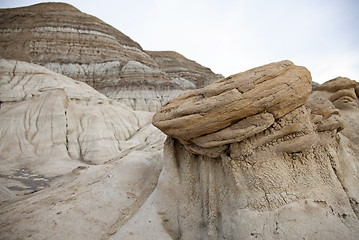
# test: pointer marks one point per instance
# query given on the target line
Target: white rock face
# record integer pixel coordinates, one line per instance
(184, 83)
(95, 160)
(143, 99)
(20, 81)
(50, 124)
(137, 96)
(137, 67)
(90, 71)
(90, 202)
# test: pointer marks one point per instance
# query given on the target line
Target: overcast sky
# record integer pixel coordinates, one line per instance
(231, 36)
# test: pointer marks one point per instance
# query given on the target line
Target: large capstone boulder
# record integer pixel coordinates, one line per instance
(236, 107)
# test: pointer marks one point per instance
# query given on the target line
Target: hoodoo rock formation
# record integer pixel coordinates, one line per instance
(231, 110)
(257, 155)
(67, 41)
(252, 156)
(260, 167)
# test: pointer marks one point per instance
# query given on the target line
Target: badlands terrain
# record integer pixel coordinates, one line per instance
(101, 139)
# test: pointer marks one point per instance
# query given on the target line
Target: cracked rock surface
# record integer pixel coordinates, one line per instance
(236, 107)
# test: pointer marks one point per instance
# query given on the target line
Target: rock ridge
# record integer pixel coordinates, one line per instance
(184, 71)
(82, 47)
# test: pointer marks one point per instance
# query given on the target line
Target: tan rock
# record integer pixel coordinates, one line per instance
(237, 132)
(276, 88)
(341, 93)
(336, 84)
(325, 115)
(211, 152)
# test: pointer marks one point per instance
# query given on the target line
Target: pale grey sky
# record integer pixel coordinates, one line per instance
(231, 36)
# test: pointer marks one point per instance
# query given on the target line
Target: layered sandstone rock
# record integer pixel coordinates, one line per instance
(67, 41)
(51, 124)
(80, 46)
(236, 107)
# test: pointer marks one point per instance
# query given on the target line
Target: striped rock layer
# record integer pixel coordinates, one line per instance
(70, 42)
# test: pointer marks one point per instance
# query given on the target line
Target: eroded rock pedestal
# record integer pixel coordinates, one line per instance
(247, 159)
